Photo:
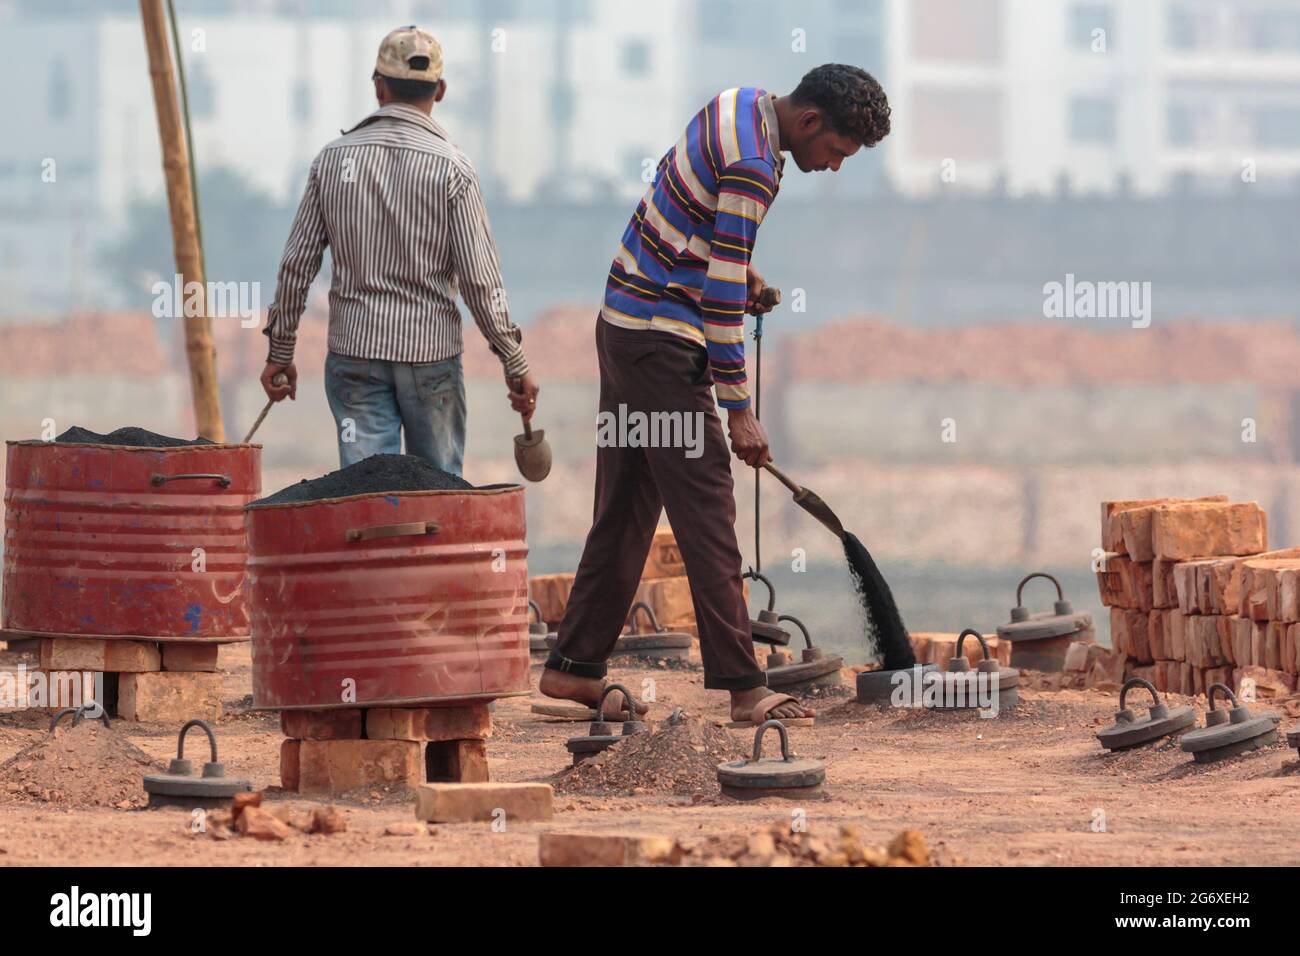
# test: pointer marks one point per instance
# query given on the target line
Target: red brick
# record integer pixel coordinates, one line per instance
(1164, 590)
(1224, 626)
(1156, 635)
(1119, 630)
(93, 654)
(431, 723)
(1176, 635)
(1258, 643)
(1203, 648)
(1193, 530)
(1291, 649)
(345, 723)
(1112, 526)
(1273, 635)
(1161, 677)
(480, 802)
(169, 697)
(338, 766)
(1139, 635)
(189, 657)
(290, 757)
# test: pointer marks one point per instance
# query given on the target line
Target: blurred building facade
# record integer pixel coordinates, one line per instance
(562, 103)
(1034, 96)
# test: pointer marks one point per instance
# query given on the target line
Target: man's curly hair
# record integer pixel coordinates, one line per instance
(850, 99)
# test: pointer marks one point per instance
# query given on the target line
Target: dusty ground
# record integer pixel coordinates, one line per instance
(1025, 788)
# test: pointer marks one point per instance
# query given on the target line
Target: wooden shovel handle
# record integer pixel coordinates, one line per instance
(784, 479)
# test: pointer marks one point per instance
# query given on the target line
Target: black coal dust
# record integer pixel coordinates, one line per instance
(378, 474)
(129, 436)
(884, 624)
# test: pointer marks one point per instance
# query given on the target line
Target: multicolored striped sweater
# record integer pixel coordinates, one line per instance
(682, 264)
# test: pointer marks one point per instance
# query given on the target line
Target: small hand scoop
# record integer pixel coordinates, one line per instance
(533, 453)
(810, 502)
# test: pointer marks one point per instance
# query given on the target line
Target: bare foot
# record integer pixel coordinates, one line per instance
(743, 702)
(585, 690)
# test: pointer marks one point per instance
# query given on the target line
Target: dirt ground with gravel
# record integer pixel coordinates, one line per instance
(1027, 788)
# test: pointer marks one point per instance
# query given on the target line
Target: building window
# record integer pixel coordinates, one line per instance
(1184, 30)
(300, 103)
(1273, 30)
(59, 92)
(719, 17)
(1180, 125)
(201, 90)
(1092, 120)
(1084, 19)
(1275, 127)
(635, 59)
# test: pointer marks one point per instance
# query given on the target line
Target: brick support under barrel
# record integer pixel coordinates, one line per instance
(346, 749)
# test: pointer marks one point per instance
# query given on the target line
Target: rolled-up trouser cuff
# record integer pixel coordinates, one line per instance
(558, 662)
(746, 682)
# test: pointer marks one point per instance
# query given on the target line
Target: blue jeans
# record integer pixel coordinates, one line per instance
(375, 401)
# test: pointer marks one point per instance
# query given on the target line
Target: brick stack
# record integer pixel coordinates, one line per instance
(150, 681)
(1194, 597)
(664, 587)
(939, 649)
(335, 751)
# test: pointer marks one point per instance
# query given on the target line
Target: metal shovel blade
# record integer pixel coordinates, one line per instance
(808, 501)
(533, 454)
(812, 504)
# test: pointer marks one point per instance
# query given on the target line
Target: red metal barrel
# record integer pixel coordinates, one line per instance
(112, 541)
(405, 599)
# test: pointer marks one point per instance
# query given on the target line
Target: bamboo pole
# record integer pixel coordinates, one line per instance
(199, 348)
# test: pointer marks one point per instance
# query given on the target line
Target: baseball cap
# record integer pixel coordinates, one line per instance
(409, 53)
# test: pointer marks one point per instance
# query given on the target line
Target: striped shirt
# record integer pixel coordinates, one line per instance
(399, 206)
(682, 264)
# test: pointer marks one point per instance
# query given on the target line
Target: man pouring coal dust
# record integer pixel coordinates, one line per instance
(670, 338)
(399, 207)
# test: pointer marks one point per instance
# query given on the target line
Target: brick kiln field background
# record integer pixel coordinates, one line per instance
(1049, 420)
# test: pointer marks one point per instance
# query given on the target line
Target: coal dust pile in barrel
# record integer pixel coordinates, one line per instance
(88, 765)
(378, 474)
(129, 436)
(885, 630)
(680, 758)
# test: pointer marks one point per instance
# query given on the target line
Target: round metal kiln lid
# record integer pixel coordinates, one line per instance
(1061, 621)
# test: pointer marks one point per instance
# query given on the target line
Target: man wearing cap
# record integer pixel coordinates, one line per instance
(399, 206)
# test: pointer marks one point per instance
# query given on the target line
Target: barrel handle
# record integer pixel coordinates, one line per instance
(393, 530)
(222, 480)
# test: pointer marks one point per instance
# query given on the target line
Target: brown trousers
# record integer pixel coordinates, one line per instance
(648, 371)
